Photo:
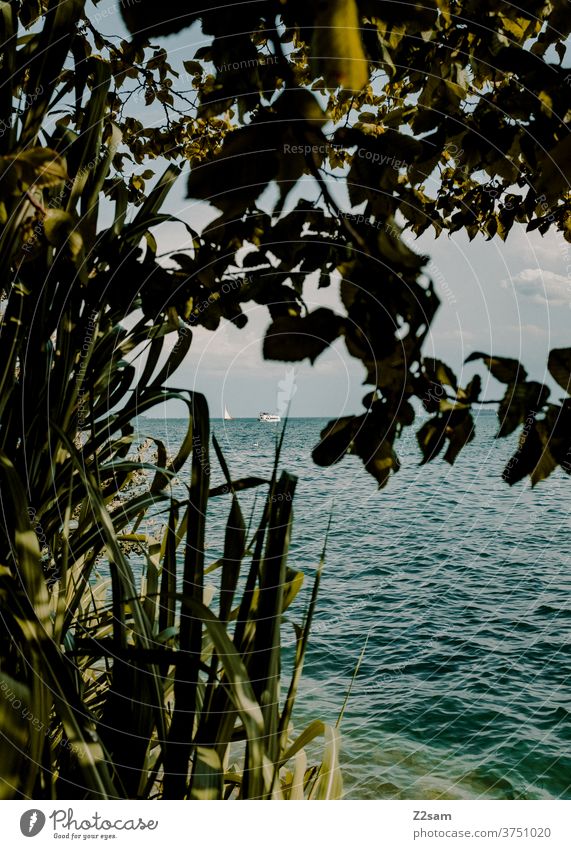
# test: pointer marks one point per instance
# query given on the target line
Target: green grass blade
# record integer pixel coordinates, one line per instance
(179, 746)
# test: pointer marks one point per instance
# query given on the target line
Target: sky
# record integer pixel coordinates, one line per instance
(507, 299)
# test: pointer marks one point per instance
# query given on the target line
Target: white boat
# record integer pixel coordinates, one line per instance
(269, 417)
(227, 416)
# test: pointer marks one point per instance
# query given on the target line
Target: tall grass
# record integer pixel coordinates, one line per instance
(136, 684)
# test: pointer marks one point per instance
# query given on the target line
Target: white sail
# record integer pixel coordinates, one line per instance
(227, 416)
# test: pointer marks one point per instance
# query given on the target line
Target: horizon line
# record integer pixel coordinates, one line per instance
(255, 418)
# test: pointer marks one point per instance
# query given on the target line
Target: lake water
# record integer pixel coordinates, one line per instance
(461, 589)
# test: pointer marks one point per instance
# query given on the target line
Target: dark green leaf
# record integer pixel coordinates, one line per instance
(336, 439)
(431, 437)
(521, 401)
(503, 369)
(292, 338)
(559, 365)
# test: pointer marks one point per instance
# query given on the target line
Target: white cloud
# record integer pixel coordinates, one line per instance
(527, 330)
(533, 248)
(453, 334)
(542, 286)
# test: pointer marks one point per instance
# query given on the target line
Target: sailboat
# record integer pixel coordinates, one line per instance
(227, 416)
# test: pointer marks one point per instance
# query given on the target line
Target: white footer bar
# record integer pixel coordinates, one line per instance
(287, 825)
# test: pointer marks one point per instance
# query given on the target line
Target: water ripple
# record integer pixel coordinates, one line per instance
(463, 588)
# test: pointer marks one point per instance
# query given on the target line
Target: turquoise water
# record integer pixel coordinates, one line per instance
(461, 589)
